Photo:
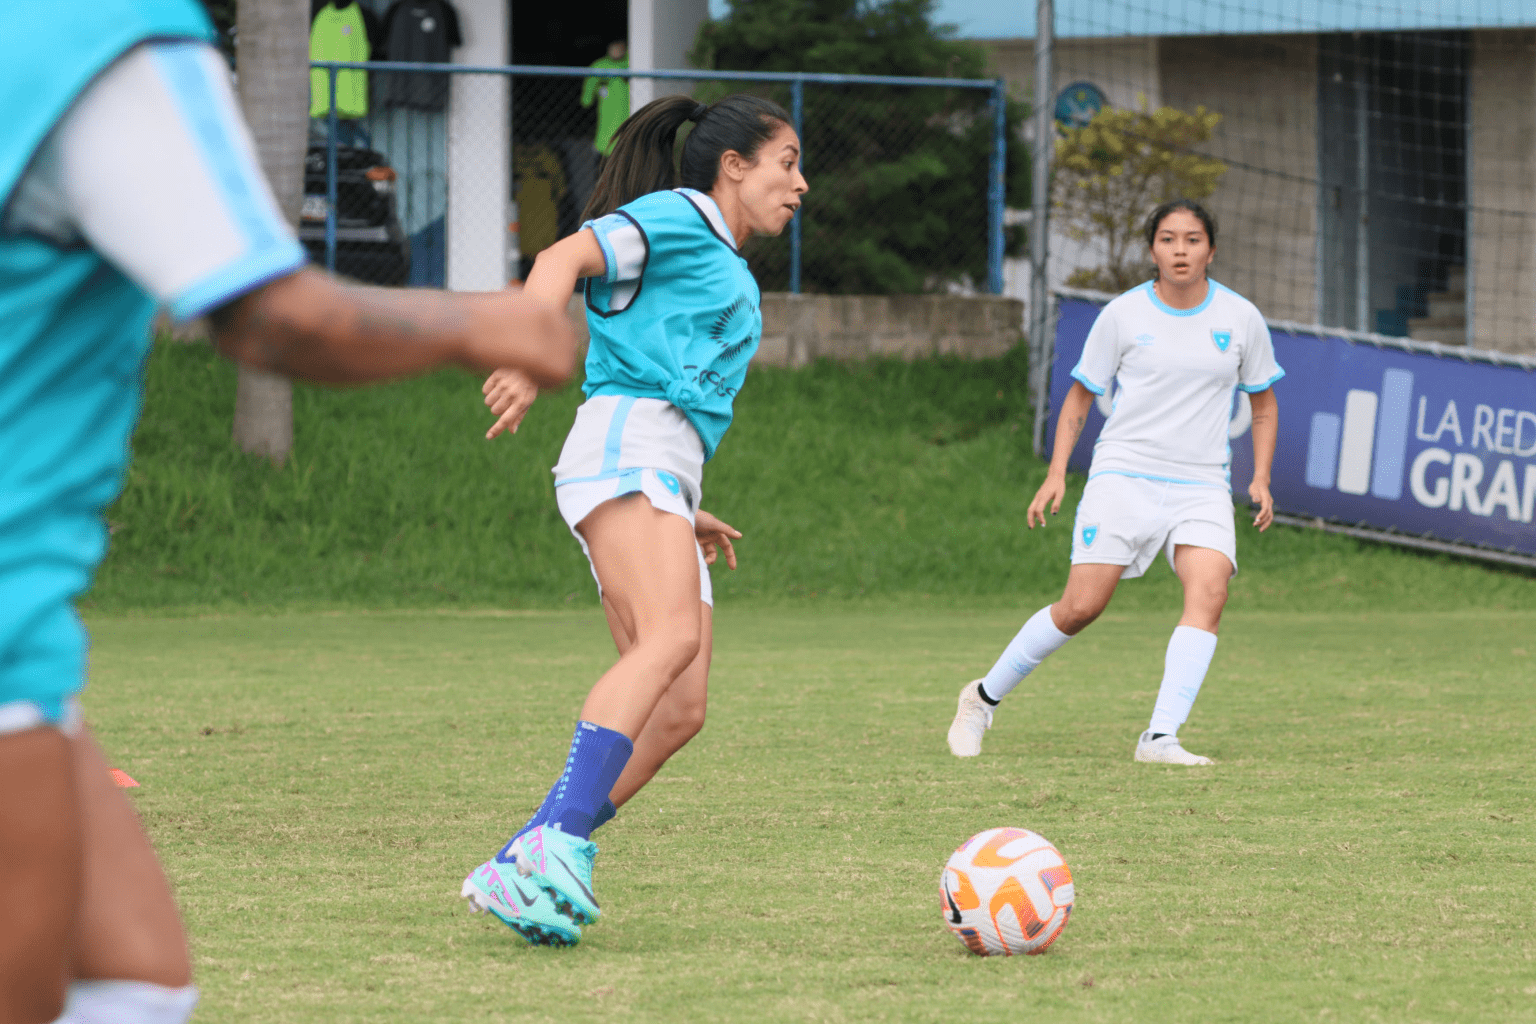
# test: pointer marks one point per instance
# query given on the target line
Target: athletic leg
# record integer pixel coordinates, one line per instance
(130, 929)
(41, 883)
(1090, 585)
(676, 719)
(646, 562)
(1204, 573)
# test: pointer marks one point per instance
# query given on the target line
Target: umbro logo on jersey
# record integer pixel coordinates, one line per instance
(1143, 340)
(1223, 339)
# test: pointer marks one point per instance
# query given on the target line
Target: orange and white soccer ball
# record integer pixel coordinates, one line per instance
(1006, 891)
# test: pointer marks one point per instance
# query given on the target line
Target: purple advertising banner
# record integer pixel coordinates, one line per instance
(1430, 445)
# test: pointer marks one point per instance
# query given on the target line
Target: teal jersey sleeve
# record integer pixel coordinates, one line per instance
(676, 313)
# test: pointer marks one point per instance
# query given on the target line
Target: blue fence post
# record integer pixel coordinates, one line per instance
(330, 181)
(996, 191)
(797, 92)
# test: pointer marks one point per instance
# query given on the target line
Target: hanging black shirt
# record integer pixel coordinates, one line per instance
(418, 31)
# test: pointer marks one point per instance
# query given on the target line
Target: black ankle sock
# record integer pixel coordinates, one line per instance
(1158, 735)
(981, 691)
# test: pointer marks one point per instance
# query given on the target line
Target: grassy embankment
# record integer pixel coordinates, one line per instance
(884, 480)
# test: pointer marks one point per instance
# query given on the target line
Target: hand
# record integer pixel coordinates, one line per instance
(509, 393)
(1051, 492)
(1261, 497)
(714, 537)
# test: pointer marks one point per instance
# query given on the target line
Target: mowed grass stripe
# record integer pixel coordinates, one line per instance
(319, 785)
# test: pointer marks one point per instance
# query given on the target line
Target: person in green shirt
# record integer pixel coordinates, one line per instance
(338, 32)
(612, 95)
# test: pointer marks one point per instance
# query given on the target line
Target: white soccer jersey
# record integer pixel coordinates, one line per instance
(1174, 371)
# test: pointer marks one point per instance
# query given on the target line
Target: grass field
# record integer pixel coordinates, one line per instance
(882, 480)
(319, 784)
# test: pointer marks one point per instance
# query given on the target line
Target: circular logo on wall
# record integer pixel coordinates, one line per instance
(1077, 103)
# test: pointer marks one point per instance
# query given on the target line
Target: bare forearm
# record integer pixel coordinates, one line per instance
(1266, 428)
(1069, 427)
(557, 269)
(313, 327)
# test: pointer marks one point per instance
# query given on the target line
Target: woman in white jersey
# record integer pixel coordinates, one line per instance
(1176, 347)
(674, 318)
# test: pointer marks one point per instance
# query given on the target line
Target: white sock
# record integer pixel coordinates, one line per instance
(127, 1002)
(1038, 640)
(1184, 667)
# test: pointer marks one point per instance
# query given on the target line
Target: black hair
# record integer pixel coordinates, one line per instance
(642, 160)
(1161, 213)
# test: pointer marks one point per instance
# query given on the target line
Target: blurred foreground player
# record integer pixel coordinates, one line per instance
(128, 181)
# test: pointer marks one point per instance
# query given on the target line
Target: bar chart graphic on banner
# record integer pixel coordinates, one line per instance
(1363, 452)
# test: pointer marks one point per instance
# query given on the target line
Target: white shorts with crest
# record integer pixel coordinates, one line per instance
(1126, 520)
(624, 445)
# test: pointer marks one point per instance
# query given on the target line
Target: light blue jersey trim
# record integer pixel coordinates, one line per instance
(1210, 293)
(610, 258)
(1254, 389)
(1158, 479)
(273, 251)
(186, 76)
(613, 445)
(235, 279)
(1082, 378)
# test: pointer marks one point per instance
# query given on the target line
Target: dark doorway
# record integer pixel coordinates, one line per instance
(1392, 160)
(552, 133)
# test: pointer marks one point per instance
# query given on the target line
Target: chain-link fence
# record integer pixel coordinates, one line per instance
(459, 176)
(1371, 165)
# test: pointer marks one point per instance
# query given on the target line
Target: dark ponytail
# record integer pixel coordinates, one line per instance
(643, 148)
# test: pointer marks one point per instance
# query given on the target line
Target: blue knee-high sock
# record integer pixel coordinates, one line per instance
(597, 758)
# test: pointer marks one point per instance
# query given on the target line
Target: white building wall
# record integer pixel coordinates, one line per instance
(661, 32)
(479, 153)
(1502, 191)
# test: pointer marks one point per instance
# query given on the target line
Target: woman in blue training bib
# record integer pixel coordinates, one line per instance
(674, 320)
(1178, 348)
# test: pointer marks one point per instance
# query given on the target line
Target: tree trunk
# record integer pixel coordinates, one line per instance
(272, 61)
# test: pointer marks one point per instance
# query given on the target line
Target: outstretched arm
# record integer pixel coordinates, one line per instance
(1266, 427)
(1069, 427)
(311, 326)
(508, 391)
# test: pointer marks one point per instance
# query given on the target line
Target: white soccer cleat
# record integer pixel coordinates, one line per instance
(973, 718)
(1165, 750)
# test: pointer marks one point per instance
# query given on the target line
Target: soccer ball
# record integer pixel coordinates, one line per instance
(1006, 890)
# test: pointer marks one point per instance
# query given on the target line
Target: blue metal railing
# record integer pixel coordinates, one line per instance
(997, 170)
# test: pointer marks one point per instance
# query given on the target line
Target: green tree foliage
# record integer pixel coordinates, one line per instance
(898, 176)
(1115, 170)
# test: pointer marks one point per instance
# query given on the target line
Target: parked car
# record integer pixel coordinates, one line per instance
(370, 244)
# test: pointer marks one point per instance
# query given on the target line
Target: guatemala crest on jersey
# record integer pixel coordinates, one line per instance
(1223, 339)
(1089, 534)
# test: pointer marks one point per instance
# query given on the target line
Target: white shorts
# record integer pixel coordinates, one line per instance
(623, 445)
(1126, 520)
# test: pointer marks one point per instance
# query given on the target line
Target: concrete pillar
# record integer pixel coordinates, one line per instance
(479, 153)
(1501, 158)
(661, 32)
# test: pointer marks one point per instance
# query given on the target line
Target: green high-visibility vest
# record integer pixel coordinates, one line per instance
(339, 35)
(612, 96)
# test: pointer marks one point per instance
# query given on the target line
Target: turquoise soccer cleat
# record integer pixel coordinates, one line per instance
(519, 904)
(559, 864)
